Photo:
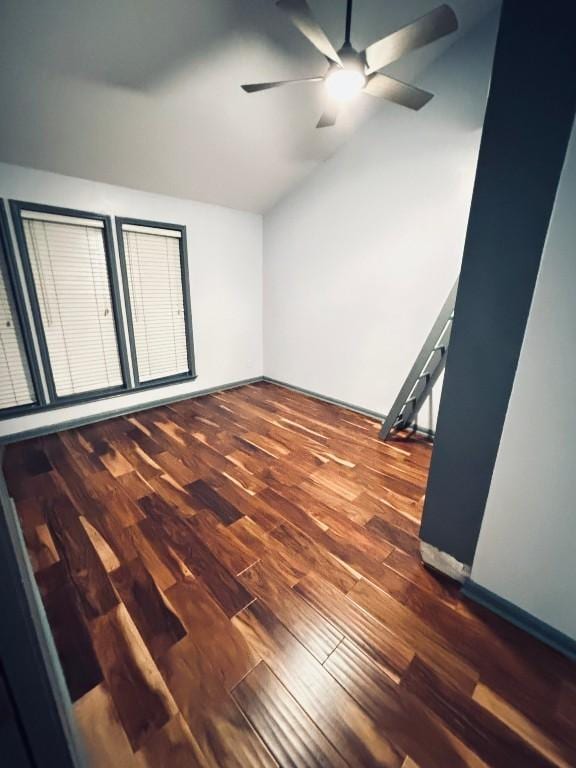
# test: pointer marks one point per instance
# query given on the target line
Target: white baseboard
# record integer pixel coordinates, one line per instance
(443, 562)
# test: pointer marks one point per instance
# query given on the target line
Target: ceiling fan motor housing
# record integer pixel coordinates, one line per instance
(351, 58)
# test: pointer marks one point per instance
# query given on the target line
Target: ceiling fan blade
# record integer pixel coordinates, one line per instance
(395, 90)
(253, 87)
(302, 18)
(434, 25)
(329, 117)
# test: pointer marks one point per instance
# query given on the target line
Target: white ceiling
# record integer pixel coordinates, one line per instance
(146, 93)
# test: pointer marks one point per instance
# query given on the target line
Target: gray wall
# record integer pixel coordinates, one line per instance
(360, 258)
(519, 166)
(526, 548)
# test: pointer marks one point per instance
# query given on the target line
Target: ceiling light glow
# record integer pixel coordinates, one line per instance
(343, 84)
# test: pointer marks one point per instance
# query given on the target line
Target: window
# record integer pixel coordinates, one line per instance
(74, 299)
(17, 387)
(156, 286)
(72, 283)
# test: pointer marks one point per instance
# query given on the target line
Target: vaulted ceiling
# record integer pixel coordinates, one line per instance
(146, 94)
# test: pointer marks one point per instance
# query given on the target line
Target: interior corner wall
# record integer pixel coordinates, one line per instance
(225, 260)
(360, 258)
(525, 552)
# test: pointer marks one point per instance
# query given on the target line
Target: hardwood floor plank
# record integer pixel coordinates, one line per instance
(557, 752)
(212, 500)
(140, 695)
(243, 479)
(37, 488)
(310, 627)
(172, 746)
(410, 629)
(402, 483)
(79, 663)
(351, 731)
(394, 535)
(120, 508)
(175, 494)
(292, 513)
(331, 476)
(100, 483)
(178, 470)
(201, 457)
(36, 462)
(102, 732)
(83, 565)
(254, 507)
(290, 735)
(413, 570)
(515, 664)
(389, 513)
(342, 536)
(220, 651)
(313, 557)
(115, 462)
(225, 547)
(159, 626)
(140, 460)
(489, 737)
(87, 461)
(51, 578)
(215, 721)
(151, 440)
(260, 544)
(266, 444)
(154, 555)
(103, 550)
(32, 514)
(359, 626)
(565, 710)
(41, 547)
(409, 725)
(229, 593)
(134, 485)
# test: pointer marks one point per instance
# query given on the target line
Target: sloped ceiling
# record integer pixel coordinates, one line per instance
(146, 93)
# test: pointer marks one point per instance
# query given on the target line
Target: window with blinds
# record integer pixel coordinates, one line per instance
(156, 286)
(68, 266)
(16, 387)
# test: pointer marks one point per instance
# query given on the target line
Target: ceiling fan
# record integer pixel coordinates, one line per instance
(350, 71)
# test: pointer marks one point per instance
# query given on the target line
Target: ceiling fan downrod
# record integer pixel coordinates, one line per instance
(348, 23)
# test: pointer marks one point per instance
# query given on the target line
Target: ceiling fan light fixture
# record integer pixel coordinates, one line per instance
(345, 83)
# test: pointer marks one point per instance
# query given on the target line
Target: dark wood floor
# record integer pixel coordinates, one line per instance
(234, 581)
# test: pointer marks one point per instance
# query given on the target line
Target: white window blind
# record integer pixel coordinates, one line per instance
(15, 381)
(70, 273)
(154, 278)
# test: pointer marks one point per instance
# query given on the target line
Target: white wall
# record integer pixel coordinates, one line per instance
(360, 258)
(225, 255)
(526, 548)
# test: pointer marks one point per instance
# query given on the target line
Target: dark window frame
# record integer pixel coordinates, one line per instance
(9, 269)
(191, 374)
(56, 401)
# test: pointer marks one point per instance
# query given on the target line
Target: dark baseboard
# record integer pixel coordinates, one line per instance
(83, 420)
(521, 618)
(342, 403)
(153, 403)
